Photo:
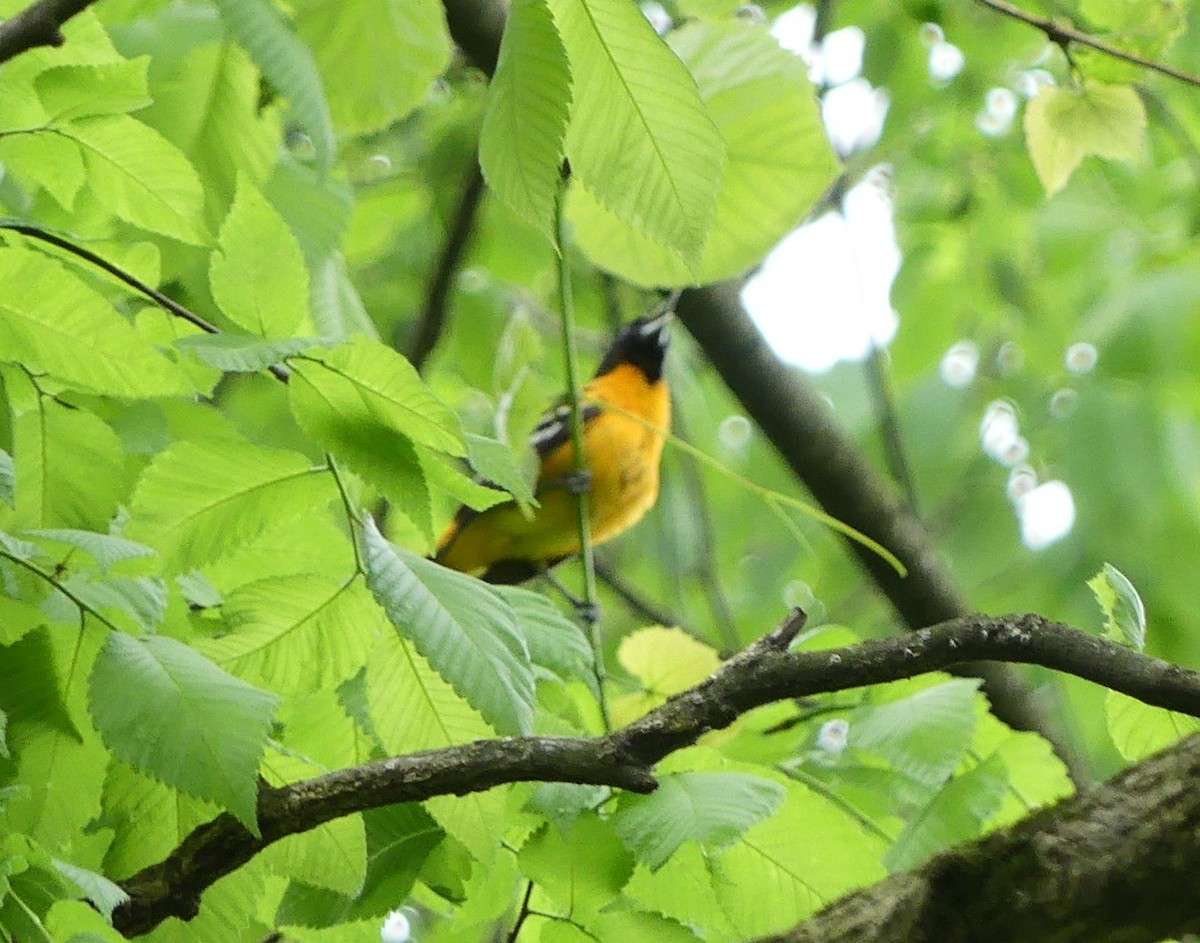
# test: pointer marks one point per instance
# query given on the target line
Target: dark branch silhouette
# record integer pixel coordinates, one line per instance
(458, 236)
(39, 24)
(764, 672)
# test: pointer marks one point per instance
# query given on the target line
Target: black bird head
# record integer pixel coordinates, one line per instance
(641, 343)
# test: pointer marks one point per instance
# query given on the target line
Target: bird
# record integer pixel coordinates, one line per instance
(622, 456)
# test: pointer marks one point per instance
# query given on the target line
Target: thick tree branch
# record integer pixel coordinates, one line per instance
(39, 24)
(761, 674)
(1063, 35)
(1118, 864)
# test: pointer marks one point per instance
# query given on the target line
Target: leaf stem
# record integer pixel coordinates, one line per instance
(575, 398)
(351, 517)
(42, 574)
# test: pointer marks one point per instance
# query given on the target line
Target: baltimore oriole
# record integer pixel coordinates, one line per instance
(622, 456)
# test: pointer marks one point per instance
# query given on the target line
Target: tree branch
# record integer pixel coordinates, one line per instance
(39, 24)
(1118, 864)
(805, 433)
(760, 674)
(458, 237)
(1062, 34)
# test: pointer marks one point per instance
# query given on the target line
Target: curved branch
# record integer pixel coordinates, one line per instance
(39, 24)
(1062, 34)
(1114, 865)
(763, 673)
(277, 370)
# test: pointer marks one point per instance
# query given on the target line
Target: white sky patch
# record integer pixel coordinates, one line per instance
(959, 364)
(842, 55)
(397, 928)
(823, 295)
(793, 30)
(1047, 514)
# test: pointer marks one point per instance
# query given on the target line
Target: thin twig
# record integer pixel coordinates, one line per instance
(706, 564)
(647, 609)
(278, 371)
(458, 238)
(39, 24)
(884, 404)
(575, 398)
(522, 915)
(1062, 34)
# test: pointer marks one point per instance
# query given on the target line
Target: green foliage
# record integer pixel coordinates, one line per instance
(779, 162)
(207, 732)
(640, 138)
(521, 139)
(1063, 126)
(193, 600)
(1124, 612)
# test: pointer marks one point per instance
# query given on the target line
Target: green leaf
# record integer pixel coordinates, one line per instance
(140, 176)
(780, 162)
(257, 276)
(198, 502)
(329, 409)
(714, 809)
(77, 922)
(69, 462)
(52, 322)
(288, 65)
(148, 819)
(172, 714)
(665, 661)
(378, 58)
(207, 102)
(7, 479)
(106, 549)
(632, 926)
(640, 138)
(47, 160)
(33, 690)
(521, 141)
(555, 642)
(468, 634)
(77, 91)
(103, 893)
(1064, 125)
(333, 855)
(296, 633)
(924, 735)
(1139, 730)
(1124, 612)
(238, 354)
(143, 599)
(413, 708)
(956, 814)
(494, 461)
(582, 869)
(389, 390)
